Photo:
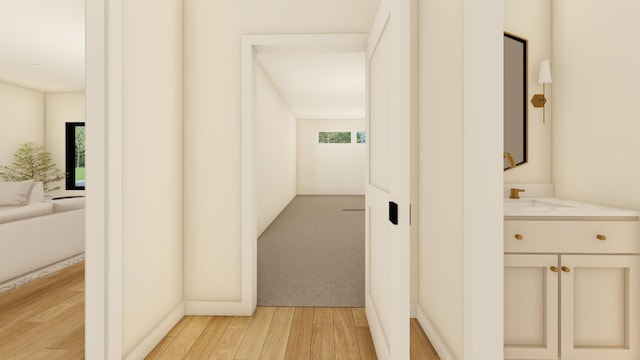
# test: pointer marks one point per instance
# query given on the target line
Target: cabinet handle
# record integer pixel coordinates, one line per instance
(565, 269)
(601, 237)
(553, 268)
(519, 237)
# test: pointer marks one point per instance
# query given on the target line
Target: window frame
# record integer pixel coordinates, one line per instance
(70, 155)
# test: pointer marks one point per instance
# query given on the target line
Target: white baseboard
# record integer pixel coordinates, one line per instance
(150, 341)
(219, 308)
(436, 340)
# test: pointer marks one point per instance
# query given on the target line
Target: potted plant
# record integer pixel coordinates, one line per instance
(33, 162)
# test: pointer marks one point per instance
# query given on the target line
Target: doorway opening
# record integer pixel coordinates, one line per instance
(319, 81)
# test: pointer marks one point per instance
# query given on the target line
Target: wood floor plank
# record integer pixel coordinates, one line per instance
(275, 344)
(157, 351)
(346, 342)
(180, 325)
(71, 340)
(360, 317)
(322, 342)
(253, 341)
(231, 339)
(207, 341)
(365, 343)
(39, 354)
(420, 348)
(183, 341)
(299, 344)
(323, 315)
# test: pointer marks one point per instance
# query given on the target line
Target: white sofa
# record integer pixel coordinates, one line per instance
(36, 233)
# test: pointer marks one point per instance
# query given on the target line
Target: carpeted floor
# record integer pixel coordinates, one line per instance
(313, 254)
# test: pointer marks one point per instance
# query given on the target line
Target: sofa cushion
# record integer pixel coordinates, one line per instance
(15, 192)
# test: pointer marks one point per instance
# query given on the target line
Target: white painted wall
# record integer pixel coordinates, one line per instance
(152, 166)
(460, 275)
(595, 96)
(276, 152)
(330, 169)
(212, 56)
(61, 108)
(21, 119)
(531, 19)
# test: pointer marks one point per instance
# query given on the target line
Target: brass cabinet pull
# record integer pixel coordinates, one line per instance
(601, 237)
(553, 268)
(519, 237)
(565, 269)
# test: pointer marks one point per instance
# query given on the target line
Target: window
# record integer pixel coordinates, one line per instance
(334, 137)
(361, 137)
(74, 148)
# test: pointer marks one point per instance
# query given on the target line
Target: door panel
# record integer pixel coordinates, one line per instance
(388, 145)
(531, 307)
(379, 119)
(599, 307)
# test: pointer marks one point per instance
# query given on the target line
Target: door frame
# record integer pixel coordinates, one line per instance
(252, 45)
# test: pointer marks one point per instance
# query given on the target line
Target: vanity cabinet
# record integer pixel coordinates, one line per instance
(572, 289)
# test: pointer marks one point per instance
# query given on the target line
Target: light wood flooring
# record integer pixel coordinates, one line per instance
(44, 320)
(288, 333)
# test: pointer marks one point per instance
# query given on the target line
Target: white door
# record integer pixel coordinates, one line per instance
(388, 180)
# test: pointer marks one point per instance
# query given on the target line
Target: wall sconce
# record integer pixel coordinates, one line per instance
(544, 77)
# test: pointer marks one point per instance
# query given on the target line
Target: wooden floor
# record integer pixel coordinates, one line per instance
(275, 333)
(44, 320)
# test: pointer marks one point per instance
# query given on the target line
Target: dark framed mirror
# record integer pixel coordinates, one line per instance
(515, 101)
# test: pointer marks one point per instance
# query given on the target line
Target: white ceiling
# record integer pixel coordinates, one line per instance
(48, 33)
(319, 85)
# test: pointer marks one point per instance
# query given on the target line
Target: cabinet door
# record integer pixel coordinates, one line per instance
(599, 307)
(531, 306)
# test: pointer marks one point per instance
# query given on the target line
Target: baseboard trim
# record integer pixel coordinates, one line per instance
(40, 273)
(413, 310)
(220, 308)
(436, 340)
(150, 341)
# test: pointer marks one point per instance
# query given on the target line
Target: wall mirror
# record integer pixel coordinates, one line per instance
(515, 101)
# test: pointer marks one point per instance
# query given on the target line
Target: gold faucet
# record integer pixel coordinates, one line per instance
(515, 193)
(509, 158)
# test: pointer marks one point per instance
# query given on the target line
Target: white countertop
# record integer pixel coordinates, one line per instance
(549, 207)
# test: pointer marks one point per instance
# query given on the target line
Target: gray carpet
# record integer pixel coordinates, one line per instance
(313, 254)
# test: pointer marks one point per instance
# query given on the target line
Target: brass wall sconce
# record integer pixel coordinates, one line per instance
(544, 77)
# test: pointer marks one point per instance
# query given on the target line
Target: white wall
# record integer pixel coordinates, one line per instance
(531, 20)
(276, 152)
(152, 166)
(595, 96)
(330, 169)
(21, 119)
(61, 108)
(212, 46)
(460, 295)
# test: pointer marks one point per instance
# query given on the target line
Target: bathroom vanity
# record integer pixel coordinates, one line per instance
(571, 281)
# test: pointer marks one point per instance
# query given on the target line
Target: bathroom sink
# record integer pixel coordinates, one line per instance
(537, 206)
(533, 203)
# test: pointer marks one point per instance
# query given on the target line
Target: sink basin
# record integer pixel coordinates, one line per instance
(537, 206)
(533, 203)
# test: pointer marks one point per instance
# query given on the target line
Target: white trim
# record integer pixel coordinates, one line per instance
(150, 341)
(436, 340)
(103, 304)
(251, 45)
(217, 308)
